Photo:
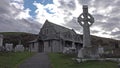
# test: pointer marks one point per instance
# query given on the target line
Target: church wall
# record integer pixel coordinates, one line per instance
(61, 46)
(56, 46)
(47, 47)
(34, 47)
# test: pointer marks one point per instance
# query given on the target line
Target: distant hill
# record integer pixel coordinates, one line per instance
(17, 37)
(105, 41)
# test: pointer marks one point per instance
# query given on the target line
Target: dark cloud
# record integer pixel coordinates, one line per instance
(84, 2)
(67, 5)
(106, 20)
(111, 17)
(115, 33)
(94, 31)
(12, 25)
(74, 25)
(117, 37)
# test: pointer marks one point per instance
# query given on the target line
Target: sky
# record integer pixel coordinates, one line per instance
(30, 15)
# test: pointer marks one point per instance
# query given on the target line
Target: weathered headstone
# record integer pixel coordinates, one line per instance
(100, 50)
(65, 50)
(2, 48)
(1, 40)
(86, 20)
(80, 53)
(9, 46)
(19, 48)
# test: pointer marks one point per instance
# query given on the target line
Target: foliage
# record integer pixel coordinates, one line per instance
(16, 37)
(65, 61)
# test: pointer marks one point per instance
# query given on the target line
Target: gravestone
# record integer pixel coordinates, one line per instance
(86, 20)
(19, 48)
(65, 50)
(100, 50)
(9, 46)
(1, 40)
(2, 48)
(80, 53)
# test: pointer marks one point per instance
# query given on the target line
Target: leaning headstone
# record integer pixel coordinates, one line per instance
(19, 48)
(9, 46)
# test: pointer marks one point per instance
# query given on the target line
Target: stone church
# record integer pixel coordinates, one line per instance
(55, 38)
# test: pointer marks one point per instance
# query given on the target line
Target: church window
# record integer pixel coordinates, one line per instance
(49, 43)
(116, 45)
(46, 31)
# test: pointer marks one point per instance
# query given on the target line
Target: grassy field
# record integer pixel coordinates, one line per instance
(65, 61)
(12, 59)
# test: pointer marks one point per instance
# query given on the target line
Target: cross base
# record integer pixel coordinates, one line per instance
(88, 52)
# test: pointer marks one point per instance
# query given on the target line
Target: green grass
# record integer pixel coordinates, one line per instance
(13, 59)
(65, 61)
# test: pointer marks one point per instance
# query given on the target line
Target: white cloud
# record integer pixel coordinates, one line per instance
(17, 5)
(15, 19)
(56, 16)
(115, 29)
(20, 12)
(23, 14)
(65, 12)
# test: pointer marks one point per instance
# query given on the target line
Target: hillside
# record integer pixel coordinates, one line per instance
(105, 42)
(17, 37)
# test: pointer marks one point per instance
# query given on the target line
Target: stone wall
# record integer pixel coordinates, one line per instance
(33, 47)
(47, 47)
(53, 46)
(56, 46)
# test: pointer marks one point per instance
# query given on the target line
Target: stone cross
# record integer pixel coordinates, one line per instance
(86, 20)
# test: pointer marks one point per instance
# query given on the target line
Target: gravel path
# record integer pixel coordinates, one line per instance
(40, 60)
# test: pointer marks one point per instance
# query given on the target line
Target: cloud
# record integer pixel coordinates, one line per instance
(66, 12)
(16, 19)
(63, 12)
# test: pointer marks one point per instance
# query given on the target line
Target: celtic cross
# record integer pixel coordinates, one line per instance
(86, 20)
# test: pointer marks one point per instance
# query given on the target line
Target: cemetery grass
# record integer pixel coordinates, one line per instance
(59, 60)
(13, 59)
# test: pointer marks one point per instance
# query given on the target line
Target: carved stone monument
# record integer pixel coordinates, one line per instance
(86, 20)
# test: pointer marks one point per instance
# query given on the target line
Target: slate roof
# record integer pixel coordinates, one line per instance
(61, 33)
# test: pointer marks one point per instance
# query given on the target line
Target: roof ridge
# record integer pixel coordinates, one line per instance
(58, 25)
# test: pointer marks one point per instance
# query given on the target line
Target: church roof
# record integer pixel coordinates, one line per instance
(59, 28)
(60, 32)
